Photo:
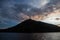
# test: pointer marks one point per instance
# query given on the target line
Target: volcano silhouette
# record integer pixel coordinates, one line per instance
(32, 26)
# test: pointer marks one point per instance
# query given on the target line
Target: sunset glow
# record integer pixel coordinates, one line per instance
(51, 18)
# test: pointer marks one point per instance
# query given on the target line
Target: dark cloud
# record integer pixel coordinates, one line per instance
(10, 9)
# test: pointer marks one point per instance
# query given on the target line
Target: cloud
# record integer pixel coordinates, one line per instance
(10, 9)
(39, 3)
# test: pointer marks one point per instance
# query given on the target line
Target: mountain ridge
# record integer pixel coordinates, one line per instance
(33, 26)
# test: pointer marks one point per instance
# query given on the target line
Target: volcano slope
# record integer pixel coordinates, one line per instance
(33, 26)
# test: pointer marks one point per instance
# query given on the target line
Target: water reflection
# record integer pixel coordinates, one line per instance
(30, 36)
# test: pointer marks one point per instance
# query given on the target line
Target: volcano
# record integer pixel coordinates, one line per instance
(32, 26)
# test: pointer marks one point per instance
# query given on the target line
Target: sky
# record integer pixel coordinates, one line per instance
(10, 10)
